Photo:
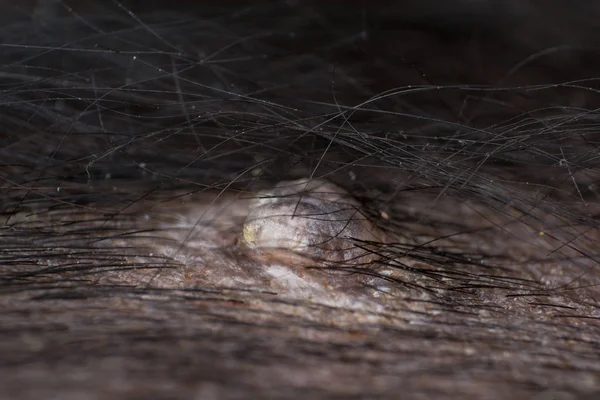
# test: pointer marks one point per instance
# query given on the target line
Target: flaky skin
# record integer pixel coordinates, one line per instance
(439, 240)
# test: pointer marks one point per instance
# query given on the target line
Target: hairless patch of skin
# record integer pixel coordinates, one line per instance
(301, 239)
(305, 220)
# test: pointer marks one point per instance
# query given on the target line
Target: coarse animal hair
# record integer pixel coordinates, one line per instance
(134, 136)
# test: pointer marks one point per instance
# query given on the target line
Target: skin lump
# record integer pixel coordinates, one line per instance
(305, 220)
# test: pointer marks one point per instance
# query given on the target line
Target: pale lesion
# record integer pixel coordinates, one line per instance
(309, 221)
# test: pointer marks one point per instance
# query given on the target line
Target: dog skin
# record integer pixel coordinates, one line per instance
(299, 200)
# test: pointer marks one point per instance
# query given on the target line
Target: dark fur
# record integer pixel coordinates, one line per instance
(468, 132)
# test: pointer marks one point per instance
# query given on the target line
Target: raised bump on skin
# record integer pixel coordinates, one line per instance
(305, 219)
